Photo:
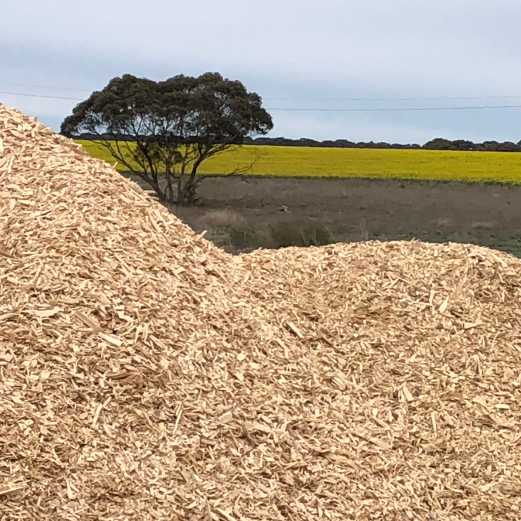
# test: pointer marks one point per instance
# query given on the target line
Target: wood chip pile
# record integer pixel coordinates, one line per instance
(145, 374)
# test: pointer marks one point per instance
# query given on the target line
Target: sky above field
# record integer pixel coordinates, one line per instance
(324, 69)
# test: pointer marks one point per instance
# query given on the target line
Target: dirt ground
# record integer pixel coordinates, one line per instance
(242, 213)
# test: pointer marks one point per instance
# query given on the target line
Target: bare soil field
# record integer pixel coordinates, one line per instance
(243, 213)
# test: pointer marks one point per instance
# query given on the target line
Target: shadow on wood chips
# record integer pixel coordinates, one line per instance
(146, 374)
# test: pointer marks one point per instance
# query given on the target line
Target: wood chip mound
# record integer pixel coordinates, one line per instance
(145, 374)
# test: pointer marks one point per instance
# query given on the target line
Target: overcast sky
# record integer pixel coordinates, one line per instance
(297, 54)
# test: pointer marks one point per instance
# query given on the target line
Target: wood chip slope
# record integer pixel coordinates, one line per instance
(145, 374)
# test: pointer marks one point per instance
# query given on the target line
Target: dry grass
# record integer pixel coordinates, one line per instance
(145, 374)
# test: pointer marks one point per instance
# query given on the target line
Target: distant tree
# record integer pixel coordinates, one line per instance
(439, 144)
(507, 146)
(489, 145)
(463, 144)
(163, 131)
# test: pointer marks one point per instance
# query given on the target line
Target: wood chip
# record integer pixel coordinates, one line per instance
(111, 339)
(293, 328)
(146, 374)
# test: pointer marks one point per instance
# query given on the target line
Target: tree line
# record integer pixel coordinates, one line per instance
(434, 144)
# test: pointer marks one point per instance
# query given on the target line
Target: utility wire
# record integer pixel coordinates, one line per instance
(286, 98)
(26, 95)
(16, 85)
(10, 85)
(317, 109)
(411, 98)
(396, 109)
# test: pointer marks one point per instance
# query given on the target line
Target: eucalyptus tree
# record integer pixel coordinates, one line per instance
(164, 131)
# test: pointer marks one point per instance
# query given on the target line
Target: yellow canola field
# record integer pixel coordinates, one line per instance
(502, 167)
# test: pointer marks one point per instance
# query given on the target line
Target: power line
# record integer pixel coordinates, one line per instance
(397, 98)
(396, 109)
(27, 95)
(45, 87)
(285, 98)
(317, 109)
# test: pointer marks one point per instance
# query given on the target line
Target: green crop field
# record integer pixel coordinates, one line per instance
(436, 165)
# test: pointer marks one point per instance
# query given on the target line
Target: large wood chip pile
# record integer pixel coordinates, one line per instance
(145, 374)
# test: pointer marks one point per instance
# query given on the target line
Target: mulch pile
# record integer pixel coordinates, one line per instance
(145, 374)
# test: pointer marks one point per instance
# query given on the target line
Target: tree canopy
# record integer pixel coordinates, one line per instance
(163, 131)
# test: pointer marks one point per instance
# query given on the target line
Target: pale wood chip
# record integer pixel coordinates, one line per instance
(146, 374)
